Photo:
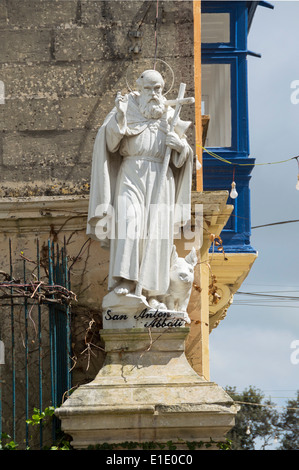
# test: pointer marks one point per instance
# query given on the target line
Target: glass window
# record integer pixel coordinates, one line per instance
(216, 98)
(215, 27)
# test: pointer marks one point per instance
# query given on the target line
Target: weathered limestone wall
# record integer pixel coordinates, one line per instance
(61, 63)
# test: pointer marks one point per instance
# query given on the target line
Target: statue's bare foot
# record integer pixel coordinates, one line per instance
(124, 288)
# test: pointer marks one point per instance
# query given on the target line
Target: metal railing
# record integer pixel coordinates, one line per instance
(35, 333)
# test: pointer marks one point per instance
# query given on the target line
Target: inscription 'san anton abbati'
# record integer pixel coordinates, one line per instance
(157, 318)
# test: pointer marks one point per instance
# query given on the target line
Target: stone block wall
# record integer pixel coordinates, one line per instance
(61, 62)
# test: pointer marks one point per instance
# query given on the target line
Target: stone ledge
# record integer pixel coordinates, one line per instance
(92, 410)
(30, 214)
(22, 209)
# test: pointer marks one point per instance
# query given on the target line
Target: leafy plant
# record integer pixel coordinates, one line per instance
(38, 416)
(11, 445)
(37, 419)
(289, 425)
(169, 445)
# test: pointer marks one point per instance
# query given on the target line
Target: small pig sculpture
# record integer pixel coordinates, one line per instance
(181, 280)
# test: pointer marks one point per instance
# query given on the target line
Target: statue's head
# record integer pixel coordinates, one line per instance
(150, 85)
(150, 77)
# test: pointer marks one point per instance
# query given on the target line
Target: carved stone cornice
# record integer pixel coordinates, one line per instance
(230, 273)
(215, 214)
(37, 214)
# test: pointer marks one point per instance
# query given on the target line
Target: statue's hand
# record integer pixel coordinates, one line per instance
(174, 142)
(121, 103)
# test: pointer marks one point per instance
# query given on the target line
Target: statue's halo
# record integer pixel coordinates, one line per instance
(165, 63)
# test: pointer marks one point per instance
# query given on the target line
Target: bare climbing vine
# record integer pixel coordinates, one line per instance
(43, 292)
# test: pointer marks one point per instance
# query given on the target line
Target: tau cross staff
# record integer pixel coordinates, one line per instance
(178, 104)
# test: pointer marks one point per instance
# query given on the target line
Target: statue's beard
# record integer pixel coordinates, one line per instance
(152, 109)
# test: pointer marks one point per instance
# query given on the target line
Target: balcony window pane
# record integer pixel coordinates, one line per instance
(216, 97)
(215, 27)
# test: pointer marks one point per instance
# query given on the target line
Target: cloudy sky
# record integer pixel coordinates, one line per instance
(252, 346)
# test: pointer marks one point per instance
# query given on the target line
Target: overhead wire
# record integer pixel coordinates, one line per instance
(296, 288)
(156, 33)
(265, 305)
(276, 223)
(266, 405)
(267, 299)
(233, 192)
(264, 225)
(258, 294)
(268, 285)
(224, 160)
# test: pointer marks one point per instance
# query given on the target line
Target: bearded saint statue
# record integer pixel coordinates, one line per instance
(127, 160)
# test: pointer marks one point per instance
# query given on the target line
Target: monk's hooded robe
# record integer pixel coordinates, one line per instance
(126, 168)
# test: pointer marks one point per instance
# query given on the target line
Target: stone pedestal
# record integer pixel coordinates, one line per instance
(146, 391)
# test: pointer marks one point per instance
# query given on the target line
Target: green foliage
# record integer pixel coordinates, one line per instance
(289, 425)
(38, 417)
(227, 445)
(169, 445)
(10, 445)
(257, 420)
(63, 444)
(133, 445)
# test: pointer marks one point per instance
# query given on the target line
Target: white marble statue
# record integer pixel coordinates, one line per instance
(127, 163)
